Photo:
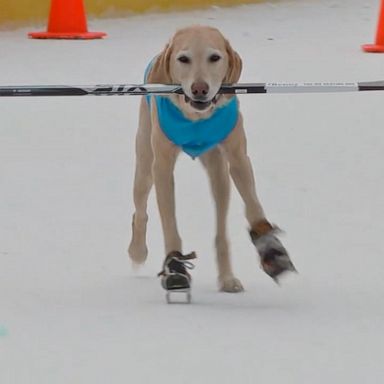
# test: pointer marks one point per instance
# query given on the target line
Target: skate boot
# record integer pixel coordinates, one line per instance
(274, 257)
(175, 277)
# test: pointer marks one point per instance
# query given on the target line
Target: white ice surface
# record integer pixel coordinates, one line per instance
(72, 310)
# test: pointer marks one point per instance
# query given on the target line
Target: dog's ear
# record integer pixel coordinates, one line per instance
(160, 72)
(235, 65)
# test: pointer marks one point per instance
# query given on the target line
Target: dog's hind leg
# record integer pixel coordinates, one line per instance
(217, 169)
(142, 186)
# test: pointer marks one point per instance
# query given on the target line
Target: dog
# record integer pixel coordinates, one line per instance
(207, 125)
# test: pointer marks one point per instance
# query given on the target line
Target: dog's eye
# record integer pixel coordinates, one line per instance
(213, 58)
(184, 59)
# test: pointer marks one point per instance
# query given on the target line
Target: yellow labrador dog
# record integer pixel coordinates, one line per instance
(207, 125)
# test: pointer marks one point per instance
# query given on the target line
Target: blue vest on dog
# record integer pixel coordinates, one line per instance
(194, 137)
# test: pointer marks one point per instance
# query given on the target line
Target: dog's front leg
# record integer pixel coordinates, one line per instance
(273, 256)
(165, 154)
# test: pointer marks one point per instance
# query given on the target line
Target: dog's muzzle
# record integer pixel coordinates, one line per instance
(201, 105)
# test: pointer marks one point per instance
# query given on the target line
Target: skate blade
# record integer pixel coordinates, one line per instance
(182, 292)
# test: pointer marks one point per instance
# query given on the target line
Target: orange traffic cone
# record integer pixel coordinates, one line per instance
(379, 43)
(67, 20)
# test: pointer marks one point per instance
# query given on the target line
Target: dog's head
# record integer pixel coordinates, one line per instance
(201, 60)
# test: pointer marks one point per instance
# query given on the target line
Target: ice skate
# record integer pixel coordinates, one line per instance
(175, 278)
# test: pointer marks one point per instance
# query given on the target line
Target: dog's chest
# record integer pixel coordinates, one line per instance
(196, 137)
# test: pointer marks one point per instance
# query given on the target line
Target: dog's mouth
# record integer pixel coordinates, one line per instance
(200, 105)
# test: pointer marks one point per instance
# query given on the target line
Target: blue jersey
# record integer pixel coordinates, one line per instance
(195, 137)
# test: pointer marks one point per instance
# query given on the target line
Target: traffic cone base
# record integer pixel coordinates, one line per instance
(69, 35)
(373, 48)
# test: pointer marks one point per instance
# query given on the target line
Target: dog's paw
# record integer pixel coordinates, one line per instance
(230, 284)
(138, 253)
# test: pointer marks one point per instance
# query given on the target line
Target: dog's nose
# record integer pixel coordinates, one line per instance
(200, 89)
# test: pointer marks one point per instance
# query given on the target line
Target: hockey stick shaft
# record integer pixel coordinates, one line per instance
(162, 89)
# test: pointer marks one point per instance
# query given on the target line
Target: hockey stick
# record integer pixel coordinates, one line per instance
(163, 89)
